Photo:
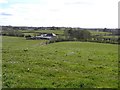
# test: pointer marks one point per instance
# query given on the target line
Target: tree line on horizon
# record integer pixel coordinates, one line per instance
(70, 34)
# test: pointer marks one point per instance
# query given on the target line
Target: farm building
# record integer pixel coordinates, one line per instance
(47, 36)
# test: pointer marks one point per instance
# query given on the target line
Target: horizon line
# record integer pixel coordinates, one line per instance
(62, 26)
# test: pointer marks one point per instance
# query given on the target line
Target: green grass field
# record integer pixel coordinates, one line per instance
(31, 64)
(26, 32)
(99, 32)
(61, 32)
(111, 37)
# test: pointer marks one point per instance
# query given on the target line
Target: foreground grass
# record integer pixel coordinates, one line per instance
(27, 63)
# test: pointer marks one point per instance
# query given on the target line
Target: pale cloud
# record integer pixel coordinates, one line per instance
(78, 2)
(3, 1)
(79, 13)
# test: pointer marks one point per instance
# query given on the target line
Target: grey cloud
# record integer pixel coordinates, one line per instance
(5, 14)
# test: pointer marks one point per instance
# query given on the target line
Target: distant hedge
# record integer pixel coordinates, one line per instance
(12, 33)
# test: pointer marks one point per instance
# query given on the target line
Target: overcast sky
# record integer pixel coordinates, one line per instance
(73, 13)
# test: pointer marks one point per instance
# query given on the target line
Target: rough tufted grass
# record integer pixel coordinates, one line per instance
(58, 65)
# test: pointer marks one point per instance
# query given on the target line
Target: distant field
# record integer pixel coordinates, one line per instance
(62, 31)
(31, 64)
(111, 36)
(99, 33)
(51, 31)
(26, 32)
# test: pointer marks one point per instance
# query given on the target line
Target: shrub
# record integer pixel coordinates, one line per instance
(82, 35)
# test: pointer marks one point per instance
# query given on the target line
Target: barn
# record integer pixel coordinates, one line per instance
(47, 36)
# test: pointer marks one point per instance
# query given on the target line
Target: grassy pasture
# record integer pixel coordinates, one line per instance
(26, 32)
(32, 34)
(99, 33)
(111, 37)
(28, 63)
(51, 31)
(62, 31)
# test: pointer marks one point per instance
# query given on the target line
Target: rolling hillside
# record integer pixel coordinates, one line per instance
(31, 64)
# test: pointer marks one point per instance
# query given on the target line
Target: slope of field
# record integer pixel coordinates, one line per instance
(28, 63)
